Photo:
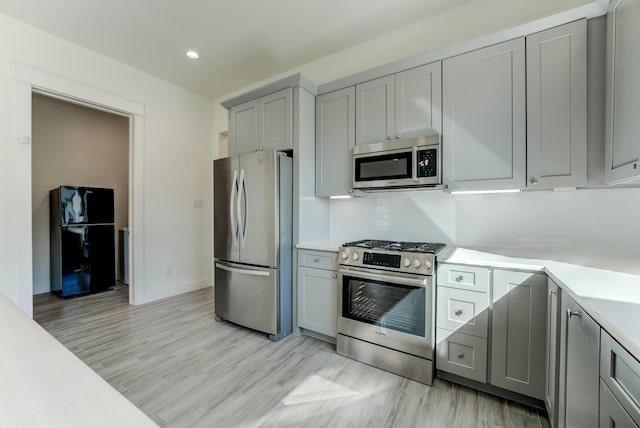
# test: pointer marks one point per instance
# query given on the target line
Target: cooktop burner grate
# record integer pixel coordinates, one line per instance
(412, 247)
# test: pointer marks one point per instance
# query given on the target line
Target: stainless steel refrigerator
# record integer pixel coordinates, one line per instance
(253, 241)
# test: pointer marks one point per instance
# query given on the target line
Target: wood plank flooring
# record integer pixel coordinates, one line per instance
(184, 369)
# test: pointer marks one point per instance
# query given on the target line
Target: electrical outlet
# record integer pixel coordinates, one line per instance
(198, 203)
(168, 270)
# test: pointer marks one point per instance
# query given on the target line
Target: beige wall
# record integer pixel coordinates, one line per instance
(74, 145)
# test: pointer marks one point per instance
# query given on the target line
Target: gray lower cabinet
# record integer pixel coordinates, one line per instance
(612, 414)
(620, 381)
(622, 150)
(317, 291)
(518, 332)
(551, 383)
(335, 138)
(578, 400)
(484, 118)
(557, 107)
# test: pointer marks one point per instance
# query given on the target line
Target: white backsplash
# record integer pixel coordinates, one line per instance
(598, 228)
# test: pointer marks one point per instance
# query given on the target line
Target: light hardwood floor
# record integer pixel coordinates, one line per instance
(184, 369)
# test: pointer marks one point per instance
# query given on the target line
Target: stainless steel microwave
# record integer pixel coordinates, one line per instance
(414, 162)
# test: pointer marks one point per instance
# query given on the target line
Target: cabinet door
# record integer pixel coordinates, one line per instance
(519, 332)
(418, 99)
(553, 339)
(622, 145)
(580, 367)
(318, 300)
(243, 128)
(557, 107)
(335, 138)
(612, 414)
(483, 141)
(375, 111)
(275, 121)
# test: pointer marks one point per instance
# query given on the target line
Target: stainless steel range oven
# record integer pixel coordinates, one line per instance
(385, 314)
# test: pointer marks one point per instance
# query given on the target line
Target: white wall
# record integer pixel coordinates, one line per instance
(177, 154)
(599, 227)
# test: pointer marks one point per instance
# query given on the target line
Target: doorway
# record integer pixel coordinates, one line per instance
(29, 80)
(79, 146)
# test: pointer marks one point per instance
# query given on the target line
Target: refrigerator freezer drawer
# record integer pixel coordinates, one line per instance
(248, 296)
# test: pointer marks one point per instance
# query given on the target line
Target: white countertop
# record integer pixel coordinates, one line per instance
(612, 299)
(42, 384)
(323, 245)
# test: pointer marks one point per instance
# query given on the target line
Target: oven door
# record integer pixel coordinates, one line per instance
(388, 309)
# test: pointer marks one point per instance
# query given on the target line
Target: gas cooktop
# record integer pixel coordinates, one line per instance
(409, 247)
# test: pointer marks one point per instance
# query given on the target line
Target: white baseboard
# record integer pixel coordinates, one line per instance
(154, 295)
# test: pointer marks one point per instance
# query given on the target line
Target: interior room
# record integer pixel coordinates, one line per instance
(390, 213)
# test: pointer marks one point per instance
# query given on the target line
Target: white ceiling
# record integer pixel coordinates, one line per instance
(240, 42)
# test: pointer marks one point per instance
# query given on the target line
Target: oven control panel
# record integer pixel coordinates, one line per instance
(419, 263)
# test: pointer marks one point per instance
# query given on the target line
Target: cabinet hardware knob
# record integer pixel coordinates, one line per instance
(635, 165)
(573, 314)
(317, 259)
(389, 137)
(551, 292)
(458, 312)
(399, 136)
(334, 276)
(460, 355)
(459, 278)
(534, 181)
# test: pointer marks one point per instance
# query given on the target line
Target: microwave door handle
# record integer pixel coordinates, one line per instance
(415, 163)
(232, 214)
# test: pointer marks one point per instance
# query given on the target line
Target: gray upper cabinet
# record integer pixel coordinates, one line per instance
(404, 105)
(578, 399)
(519, 332)
(553, 346)
(622, 143)
(557, 107)
(275, 121)
(243, 128)
(484, 121)
(335, 138)
(262, 124)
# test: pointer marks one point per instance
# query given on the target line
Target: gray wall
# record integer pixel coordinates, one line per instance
(74, 145)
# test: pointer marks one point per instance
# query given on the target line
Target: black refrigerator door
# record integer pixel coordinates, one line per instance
(86, 205)
(88, 259)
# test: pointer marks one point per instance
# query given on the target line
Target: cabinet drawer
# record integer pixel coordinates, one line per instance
(621, 373)
(461, 354)
(462, 311)
(612, 414)
(318, 259)
(464, 277)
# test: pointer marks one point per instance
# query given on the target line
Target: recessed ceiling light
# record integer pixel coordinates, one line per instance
(193, 54)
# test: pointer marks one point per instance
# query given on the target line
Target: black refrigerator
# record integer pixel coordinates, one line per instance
(82, 240)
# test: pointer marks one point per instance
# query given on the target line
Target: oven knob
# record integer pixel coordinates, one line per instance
(417, 264)
(355, 256)
(344, 255)
(407, 262)
(427, 264)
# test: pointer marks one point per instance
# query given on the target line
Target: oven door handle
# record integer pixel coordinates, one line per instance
(386, 277)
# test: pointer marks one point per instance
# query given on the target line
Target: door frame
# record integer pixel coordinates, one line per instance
(29, 80)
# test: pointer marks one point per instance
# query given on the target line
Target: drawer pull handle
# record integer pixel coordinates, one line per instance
(573, 314)
(460, 355)
(458, 312)
(334, 276)
(317, 259)
(459, 278)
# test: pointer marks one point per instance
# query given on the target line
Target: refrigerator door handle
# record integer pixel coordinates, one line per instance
(242, 223)
(232, 214)
(242, 271)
